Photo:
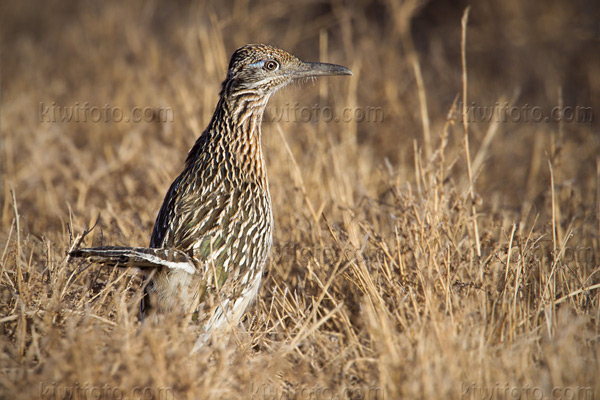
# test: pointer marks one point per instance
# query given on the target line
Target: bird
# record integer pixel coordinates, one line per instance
(214, 229)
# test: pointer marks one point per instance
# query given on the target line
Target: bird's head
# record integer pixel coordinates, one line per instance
(265, 69)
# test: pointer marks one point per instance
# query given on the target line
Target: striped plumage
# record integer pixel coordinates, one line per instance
(216, 217)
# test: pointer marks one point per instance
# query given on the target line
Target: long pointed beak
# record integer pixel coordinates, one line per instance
(308, 69)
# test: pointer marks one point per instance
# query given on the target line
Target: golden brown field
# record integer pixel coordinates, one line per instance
(410, 260)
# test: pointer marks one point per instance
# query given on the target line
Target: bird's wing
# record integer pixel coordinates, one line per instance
(191, 211)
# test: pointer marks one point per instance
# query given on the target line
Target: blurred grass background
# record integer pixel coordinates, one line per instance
(375, 279)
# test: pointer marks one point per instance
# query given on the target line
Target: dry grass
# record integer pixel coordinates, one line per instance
(409, 262)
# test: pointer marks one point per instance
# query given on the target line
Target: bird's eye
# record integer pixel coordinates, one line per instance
(271, 65)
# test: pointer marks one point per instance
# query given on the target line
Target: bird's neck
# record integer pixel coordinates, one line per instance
(244, 112)
(235, 133)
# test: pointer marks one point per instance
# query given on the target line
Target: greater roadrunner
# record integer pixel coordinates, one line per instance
(214, 230)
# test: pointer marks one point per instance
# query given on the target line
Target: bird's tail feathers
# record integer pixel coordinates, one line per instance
(138, 257)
